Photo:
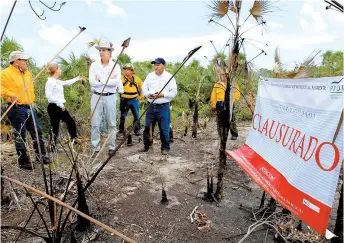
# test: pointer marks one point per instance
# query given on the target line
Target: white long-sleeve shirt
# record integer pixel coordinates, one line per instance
(114, 84)
(154, 83)
(54, 90)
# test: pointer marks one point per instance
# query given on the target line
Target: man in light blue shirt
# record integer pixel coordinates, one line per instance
(98, 76)
(159, 111)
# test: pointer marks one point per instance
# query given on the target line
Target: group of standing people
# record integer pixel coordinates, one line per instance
(17, 85)
(107, 82)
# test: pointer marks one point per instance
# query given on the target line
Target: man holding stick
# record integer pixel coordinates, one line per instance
(98, 75)
(14, 80)
(159, 110)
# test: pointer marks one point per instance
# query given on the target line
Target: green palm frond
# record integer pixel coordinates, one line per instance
(7, 46)
(93, 43)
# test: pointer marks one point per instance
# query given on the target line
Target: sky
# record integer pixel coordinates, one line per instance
(170, 29)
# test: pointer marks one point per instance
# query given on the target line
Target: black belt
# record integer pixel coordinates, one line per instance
(17, 105)
(103, 94)
(130, 93)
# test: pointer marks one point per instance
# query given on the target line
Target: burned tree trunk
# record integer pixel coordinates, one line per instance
(208, 195)
(223, 130)
(4, 198)
(338, 229)
(82, 223)
(2, 185)
(223, 118)
(195, 121)
(195, 124)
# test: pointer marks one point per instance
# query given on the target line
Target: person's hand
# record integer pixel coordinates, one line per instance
(13, 98)
(63, 108)
(157, 95)
(82, 79)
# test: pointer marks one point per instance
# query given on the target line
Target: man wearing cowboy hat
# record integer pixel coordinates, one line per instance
(132, 85)
(159, 110)
(14, 80)
(98, 75)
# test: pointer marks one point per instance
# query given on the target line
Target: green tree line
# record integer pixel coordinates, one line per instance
(189, 79)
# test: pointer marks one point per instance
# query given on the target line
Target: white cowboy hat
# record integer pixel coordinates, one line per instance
(104, 45)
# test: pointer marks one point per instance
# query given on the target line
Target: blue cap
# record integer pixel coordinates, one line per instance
(159, 60)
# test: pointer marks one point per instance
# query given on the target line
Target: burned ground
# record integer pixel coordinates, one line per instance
(127, 193)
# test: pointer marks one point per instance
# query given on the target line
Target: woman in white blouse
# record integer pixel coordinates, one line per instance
(56, 108)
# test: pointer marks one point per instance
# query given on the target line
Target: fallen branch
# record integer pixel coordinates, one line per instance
(14, 227)
(68, 189)
(168, 233)
(241, 234)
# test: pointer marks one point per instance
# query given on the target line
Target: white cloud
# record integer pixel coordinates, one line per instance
(304, 24)
(51, 39)
(89, 2)
(294, 45)
(5, 7)
(336, 16)
(174, 49)
(112, 9)
(316, 22)
(57, 34)
(27, 43)
(275, 25)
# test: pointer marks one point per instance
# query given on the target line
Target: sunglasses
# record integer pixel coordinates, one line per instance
(103, 50)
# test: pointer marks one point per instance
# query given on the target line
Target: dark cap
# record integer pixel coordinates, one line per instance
(159, 60)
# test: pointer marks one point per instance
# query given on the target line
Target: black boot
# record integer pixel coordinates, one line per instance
(24, 161)
(45, 158)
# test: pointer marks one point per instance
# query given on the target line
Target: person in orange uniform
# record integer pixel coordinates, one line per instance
(14, 80)
(217, 102)
(132, 86)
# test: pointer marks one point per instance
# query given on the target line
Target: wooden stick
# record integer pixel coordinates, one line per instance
(104, 226)
(338, 126)
(8, 19)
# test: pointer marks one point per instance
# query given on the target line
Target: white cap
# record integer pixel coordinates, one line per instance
(15, 55)
(104, 45)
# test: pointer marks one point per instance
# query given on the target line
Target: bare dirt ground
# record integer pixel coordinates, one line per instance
(127, 194)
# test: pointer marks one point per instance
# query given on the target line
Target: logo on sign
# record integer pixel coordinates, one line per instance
(337, 86)
(336, 89)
